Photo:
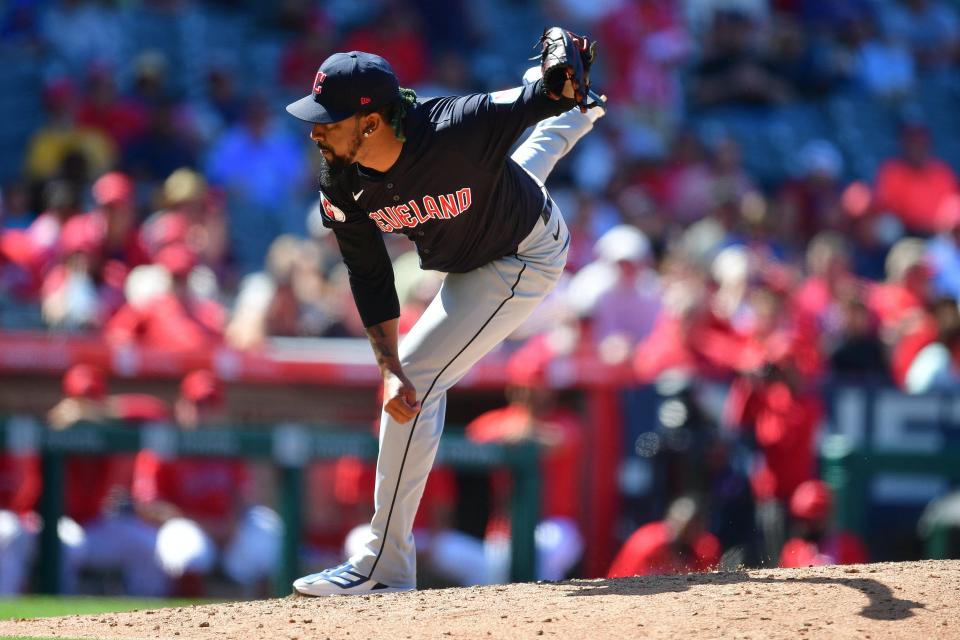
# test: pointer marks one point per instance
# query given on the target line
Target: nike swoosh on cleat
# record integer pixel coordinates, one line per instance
(356, 196)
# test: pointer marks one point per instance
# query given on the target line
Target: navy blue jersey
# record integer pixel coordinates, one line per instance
(453, 191)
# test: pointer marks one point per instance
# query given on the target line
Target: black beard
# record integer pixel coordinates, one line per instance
(327, 175)
(331, 171)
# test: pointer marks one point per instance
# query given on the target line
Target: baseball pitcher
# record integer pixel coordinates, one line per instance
(437, 171)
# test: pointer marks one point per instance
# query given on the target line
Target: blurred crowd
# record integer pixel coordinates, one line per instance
(184, 217)
(181, 215)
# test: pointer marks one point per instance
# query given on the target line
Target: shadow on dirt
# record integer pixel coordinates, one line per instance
(883, 604)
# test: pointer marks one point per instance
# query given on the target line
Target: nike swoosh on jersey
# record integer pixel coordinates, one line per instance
(356, 196)
(556, 236)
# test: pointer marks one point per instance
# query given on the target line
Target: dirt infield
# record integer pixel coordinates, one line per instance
(905, 600)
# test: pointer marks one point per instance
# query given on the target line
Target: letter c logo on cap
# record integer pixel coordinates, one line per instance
(318, 82)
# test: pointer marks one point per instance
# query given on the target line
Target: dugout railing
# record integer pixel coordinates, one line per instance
(290, 447)
(850, 471)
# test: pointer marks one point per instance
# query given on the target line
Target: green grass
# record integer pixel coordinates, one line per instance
(46, 606)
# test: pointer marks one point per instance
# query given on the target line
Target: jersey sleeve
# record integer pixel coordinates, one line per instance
(370, 271)
(365, 255)
(486, 125)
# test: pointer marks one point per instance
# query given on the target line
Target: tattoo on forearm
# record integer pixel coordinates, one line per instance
(381, 350)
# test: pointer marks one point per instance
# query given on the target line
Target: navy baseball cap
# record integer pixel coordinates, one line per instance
(345, 84)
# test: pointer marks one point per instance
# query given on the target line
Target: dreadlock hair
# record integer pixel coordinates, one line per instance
(395, 112)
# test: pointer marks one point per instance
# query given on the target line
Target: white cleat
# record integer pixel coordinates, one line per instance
(343, 580)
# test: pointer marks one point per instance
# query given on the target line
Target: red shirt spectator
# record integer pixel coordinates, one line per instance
(677, 544)
(773, 396)
(395, 35)
(560, 460)
(115, 219)
(917, 187)
(901, 304)
(811, 203)
(101, 109)
(353, 484)
(169, 322)
(83, 290)
(300, 58)
(819, 298)
(812, 506)
(645, 42)
(175, 320)
(836, 548)
(534, 415)
(88, 481)
(20, 482)
(784, 423)
(895, 303)
(203, 489)
(649, 552)
(193, 216)
(694, 341)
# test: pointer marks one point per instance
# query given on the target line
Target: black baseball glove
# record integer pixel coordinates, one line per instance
(565, 55)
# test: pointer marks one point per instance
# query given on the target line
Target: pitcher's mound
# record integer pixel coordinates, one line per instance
(893, 600)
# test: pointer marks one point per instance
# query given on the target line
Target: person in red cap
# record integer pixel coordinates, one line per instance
(533, 413)
(115, 216)
(203, 505)
(679, 543)
(175, 320)
(815, 542)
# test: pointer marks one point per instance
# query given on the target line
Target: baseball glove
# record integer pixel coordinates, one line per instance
(565, 55)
